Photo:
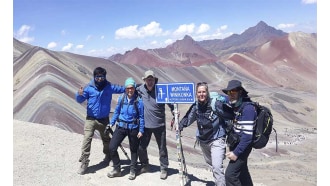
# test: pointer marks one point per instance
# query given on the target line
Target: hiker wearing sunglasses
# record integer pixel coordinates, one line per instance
(240, 140)
(129, 116)
(211, 133)
(98, 94)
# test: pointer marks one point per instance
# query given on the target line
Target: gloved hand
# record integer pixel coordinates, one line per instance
(107, 129)
(180, 126)
(183, 123)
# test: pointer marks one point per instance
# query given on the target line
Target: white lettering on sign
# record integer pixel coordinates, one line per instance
(185, 88)
(181, 94)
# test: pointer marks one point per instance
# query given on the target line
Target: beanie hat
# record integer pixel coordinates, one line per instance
(129, 82)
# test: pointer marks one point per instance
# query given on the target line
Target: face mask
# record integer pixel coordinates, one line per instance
(236, 103)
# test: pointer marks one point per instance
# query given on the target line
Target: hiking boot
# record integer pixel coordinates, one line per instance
(145, 168)
(83, 166)
(132, 175)
(114, 173)
(163, 174)
(82, 157)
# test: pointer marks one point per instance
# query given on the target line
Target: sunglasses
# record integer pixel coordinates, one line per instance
(201, 83)
(130, 88)
(99, 77)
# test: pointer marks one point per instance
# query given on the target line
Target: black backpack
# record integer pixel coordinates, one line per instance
(263, 126)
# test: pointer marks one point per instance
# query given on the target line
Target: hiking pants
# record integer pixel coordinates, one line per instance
(214, 154)
(237, 172)
(117, 138)
(90, 126)
(160, 135)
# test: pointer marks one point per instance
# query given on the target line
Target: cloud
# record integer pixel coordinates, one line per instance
(203, 28)
(284, 26)
(184, 29)
(51, 45)
(134, 32)
(23, 34)
(63, 32)
(89, 37)
(154, 42)
(79, 46)
(309, 1)
(223, 27)
(168, 41)
(67, 47)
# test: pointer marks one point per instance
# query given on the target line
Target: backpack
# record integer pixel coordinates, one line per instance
(263, 126)
(216, 96)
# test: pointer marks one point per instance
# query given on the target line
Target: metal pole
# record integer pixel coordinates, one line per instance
(181, 160)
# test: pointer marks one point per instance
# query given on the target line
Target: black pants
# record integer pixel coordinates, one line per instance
(237, 172)
(160, 135)
(117, 138)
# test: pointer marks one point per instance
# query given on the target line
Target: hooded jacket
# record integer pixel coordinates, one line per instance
(210, 125)
(99, 101)
(127, 115)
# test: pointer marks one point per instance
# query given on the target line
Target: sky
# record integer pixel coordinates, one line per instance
(102, 28)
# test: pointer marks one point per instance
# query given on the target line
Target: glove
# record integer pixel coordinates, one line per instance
(180, 127)
(182, 123)
(172, 122)
(107, 130)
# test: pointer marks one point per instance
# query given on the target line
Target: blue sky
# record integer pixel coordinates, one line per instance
(106, 27)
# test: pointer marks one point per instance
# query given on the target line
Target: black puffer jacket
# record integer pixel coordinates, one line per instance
(211, 124)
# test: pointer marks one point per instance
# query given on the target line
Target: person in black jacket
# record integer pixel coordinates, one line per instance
(211, 133)
(240, 140)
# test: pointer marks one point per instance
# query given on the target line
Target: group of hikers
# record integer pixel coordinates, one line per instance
(137, 115)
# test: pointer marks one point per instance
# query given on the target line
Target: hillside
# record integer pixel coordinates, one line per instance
(278, 70)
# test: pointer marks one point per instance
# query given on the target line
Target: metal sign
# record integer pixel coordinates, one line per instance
(175, 93)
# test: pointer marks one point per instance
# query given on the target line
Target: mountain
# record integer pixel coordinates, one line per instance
(185, 52)
(278, 69)
(245, 42)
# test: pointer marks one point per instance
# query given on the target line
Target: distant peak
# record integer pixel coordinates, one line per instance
(186, 37)
(261, 23)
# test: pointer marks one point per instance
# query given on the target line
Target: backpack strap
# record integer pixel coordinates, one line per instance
(124, 96)
(240, 109)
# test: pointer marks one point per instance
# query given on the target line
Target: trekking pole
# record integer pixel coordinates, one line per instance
(275, 138)
(182, 163)
(122, 148)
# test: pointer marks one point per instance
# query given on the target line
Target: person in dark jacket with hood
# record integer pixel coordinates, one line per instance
(129, 115)
(240, 140)
(98, 94)
(155, 123)
(211, 133)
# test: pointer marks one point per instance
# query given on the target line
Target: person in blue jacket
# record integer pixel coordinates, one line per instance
(240, 140)
(98, 94)
(129, 115)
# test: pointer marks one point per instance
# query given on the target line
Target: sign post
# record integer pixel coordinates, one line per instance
(177, 93)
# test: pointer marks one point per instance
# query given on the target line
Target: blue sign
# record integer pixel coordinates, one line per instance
(175, 93)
